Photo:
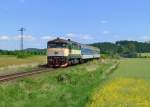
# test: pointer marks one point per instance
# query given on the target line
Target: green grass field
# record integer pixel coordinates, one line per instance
(9, 60)
(11, 64)
(66, 87)
(128, 86)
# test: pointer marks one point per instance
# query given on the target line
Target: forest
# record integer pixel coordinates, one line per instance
(123, 48)
(24, 53)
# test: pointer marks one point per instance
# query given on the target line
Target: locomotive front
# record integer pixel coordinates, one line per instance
(57, 52)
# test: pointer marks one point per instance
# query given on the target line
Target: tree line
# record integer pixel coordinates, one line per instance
(24, 53)
(123, 48)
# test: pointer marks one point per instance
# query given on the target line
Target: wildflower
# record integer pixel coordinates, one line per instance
(122, 92)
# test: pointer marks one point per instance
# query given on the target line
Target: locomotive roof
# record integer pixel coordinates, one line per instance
(58, 40)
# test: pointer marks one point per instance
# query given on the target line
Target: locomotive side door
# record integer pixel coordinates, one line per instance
(70, 48)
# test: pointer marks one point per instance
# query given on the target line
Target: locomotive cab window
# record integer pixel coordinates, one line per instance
(57, 45)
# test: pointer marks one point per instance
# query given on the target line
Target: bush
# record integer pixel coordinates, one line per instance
(64, 78)
(129, 55)
(105, 56)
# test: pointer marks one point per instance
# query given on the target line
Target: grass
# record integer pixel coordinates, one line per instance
(69, 87)
(11, 64)
(134, 68)
(144, 54)
(8, 60)
(82, 85)
(128, 86)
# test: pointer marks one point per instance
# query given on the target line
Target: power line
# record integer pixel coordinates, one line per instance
(21, 37)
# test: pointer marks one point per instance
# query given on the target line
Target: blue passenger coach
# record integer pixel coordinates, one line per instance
(89, 52)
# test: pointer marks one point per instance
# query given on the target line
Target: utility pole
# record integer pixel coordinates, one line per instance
(21, 37)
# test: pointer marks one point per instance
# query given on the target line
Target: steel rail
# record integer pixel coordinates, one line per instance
(9, 77)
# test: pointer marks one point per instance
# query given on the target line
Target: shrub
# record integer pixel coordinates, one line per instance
(129, 55)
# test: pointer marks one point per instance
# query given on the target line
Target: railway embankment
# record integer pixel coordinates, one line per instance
(66, 87)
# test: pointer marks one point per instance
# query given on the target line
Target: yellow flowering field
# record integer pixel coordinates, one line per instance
(122, 92)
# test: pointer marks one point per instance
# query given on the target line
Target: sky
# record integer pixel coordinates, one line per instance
(84, 21)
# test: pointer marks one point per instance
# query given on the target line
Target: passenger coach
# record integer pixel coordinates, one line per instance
(61, 52)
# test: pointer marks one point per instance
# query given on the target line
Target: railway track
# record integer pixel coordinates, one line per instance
(9, 77)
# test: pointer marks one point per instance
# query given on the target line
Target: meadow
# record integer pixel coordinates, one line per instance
(65, 87)
(11, 64)
(144, 55)
(10, 60)
(128, 86)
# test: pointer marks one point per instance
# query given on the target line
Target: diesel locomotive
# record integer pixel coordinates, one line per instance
(61, 53)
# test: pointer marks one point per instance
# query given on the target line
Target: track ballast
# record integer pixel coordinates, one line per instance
(13, 76)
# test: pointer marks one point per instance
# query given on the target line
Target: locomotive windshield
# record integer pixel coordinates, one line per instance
(57, 45)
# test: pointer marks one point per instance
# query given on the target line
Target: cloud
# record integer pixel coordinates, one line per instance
(4, 38)
(145, 37)
(87, 37)
(78, 36)
(116, 36)
(70, 35)
(25, 37)
(105, 32)
(48, 37)
(104, 21)
(83, 38)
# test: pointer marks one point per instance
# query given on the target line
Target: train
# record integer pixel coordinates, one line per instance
(62, 53)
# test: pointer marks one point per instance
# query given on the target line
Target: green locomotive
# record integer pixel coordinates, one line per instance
(61, 52)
